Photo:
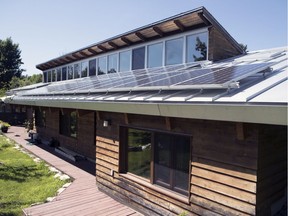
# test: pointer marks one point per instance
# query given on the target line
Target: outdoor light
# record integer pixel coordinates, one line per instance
(106, 123)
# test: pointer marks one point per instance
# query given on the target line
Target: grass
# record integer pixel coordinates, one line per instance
(23, 181)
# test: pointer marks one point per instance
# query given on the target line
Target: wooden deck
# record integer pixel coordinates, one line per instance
(82, 197)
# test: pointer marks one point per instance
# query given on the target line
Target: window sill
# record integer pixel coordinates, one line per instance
(157, 188)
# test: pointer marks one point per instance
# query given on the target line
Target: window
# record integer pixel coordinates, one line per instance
(68, 123)
(102, 65)
(139, 152)
(40, 118)
(112, 63)
(174, 51)
(76, 70)
(92, 67)
(64, 73)
(70, 71)
(49, 76)
(161, 158)
(84, 69)
(58, 74)
(53, 73)
(155, 55)
(197, 47)
(45, 77)
(138, 58)
(124, 61)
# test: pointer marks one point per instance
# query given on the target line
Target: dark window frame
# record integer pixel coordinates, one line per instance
(40, 118)
(123, 155)
(65, 123)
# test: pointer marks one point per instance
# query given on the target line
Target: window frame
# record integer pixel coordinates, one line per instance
(123, 157)
(65, 118)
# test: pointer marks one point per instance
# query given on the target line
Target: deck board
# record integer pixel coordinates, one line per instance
(82, 197)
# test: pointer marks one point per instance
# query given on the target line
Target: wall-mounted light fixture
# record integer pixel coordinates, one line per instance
(106, 123)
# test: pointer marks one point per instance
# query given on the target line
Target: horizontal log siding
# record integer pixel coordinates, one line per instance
(272, 172)
(85, 142)
(223, 168)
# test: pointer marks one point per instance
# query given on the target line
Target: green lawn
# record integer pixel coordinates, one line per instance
(23, 181)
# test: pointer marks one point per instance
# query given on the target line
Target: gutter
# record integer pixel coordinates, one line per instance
(246, 113)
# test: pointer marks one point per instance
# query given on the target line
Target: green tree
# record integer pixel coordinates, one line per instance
(244, 47)
(202, 48)
(10, 61)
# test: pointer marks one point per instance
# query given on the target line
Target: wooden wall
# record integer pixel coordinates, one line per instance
(219, 47)
(272, 169)
(223, 168)
(85, 142)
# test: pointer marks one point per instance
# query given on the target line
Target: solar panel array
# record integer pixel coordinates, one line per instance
(164, 78)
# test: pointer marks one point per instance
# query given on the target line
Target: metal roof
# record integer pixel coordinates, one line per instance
(261, 97)
(182, 22)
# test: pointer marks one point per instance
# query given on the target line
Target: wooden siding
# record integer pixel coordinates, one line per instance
(219, 47)
(223, 168)
(272, 171)
(85, 142)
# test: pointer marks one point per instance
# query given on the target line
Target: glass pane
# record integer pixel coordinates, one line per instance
(76, 71)
(64, 73)
(112, 63)
(139, 152)
(58, 74)
(182, 158)
(70, 72)
(124, 62)
(102, 65)
(155, 55)
(138, 58)
(45, 77)
(92, 67)
(84, 69)
(162, 161)
(197, 47)
(73, 124)
(174, 51)
(53, 75)
(49, 76)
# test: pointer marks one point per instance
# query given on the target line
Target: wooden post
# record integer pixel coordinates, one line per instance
(126, 118)
(168, 123)
(240, 131)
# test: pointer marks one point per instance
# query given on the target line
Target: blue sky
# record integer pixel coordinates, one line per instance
(47, 29)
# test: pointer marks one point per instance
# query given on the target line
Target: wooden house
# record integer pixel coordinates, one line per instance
(178, 118)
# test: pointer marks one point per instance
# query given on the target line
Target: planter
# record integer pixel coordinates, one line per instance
(4, 129)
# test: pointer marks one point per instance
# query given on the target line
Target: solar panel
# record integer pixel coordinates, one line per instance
(162, 78)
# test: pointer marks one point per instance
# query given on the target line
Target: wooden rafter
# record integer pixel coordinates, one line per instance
(83, 54)
(204, 19)
(158, 31)
(69, 58)
(179, 25)
(75, 56)
(113, 44)
(126, 40)
(140, 36)
(102, 48)
(92, 51)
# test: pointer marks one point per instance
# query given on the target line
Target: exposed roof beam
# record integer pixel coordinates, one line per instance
(113, 44)
(92, 51)
(62, 60)
(140, 36)
(158, 31)
(69, 58)
(204, 19)
(83, 54)
(126, 40)
(75, 56)
(102, 48)
(179, 25)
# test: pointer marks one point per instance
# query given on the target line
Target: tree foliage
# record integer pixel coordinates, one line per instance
(244, 47)
(10, 61)
(200, 46)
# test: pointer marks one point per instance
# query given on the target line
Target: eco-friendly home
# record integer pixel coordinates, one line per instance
(178, 118)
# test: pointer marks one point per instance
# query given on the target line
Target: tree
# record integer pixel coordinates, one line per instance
(202, 48)
(10, 61)
(244, 47)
